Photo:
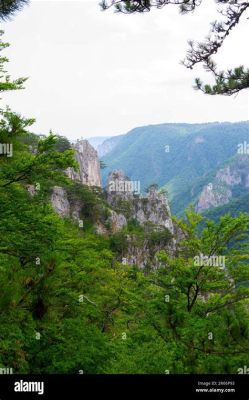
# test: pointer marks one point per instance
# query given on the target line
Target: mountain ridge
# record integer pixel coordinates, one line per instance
(175, 156)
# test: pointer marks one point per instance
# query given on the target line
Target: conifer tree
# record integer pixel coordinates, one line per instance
(9, 7)
(228, 82)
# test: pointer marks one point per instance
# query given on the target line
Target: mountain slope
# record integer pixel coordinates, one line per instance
(228, 191)
(178, 156)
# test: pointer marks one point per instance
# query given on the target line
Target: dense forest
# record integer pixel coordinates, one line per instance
(67, 302)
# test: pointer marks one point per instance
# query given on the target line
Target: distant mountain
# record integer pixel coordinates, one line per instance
(104, 144)
(97, 141)
(234, 176)
(228, 191)
(183, 158)
(234, 207)
(108, 145)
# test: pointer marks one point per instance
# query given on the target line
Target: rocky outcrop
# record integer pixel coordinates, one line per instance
(125, 204)
(124, 196)
(213, 196)
(220, 190)
(88, 174)
(116, 221)
(151, 211)
(100, 229)
(62, 206)
(154, 209)
(229, 176)
(89, 165)
(60, 202)
(142, 255)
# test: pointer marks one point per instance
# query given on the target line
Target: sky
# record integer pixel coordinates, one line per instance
(94, 73)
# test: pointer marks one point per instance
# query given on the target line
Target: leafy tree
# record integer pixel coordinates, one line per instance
(226, 82)
(5, 81)
(67, 305)
(187, 317)
(62, 144)
(93, 207)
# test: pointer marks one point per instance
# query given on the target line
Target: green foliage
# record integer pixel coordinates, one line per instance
(5, 82)
(234, 207)
(93, 206)
(196, 152)
(191, 318)
(124, 207)
(9, 7)
(160, 237)
(62, 144)
(67, 305)
(119, 243)
(226, 83)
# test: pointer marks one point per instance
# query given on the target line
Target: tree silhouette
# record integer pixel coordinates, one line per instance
(226, 82)
(9, 7)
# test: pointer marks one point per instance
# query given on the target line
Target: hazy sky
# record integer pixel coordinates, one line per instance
(94, 73)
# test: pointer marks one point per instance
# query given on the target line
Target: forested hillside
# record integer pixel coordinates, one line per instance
(69, 301)
(179, 157)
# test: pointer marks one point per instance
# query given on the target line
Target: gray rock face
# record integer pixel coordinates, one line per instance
(219, 192)
(229, 176)
(151, 211)
(89, 165)
(123, 194)
(31, 189)
(140, 255)
(60, 202)
(100, 229)
(88, 174)
(213, 196)
(145, 255)
(117, 221)
(62, 206)
(119, 188)
(155, 209)
(75, 210)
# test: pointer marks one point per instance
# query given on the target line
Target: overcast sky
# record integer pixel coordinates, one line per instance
(94, 73)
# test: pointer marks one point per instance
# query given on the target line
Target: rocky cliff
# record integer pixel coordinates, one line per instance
(62, 206)
(229, 180)
(125, 198)
(87, 174)
(150, 211)
(89, 165)
(124, 206)
(213, 195)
